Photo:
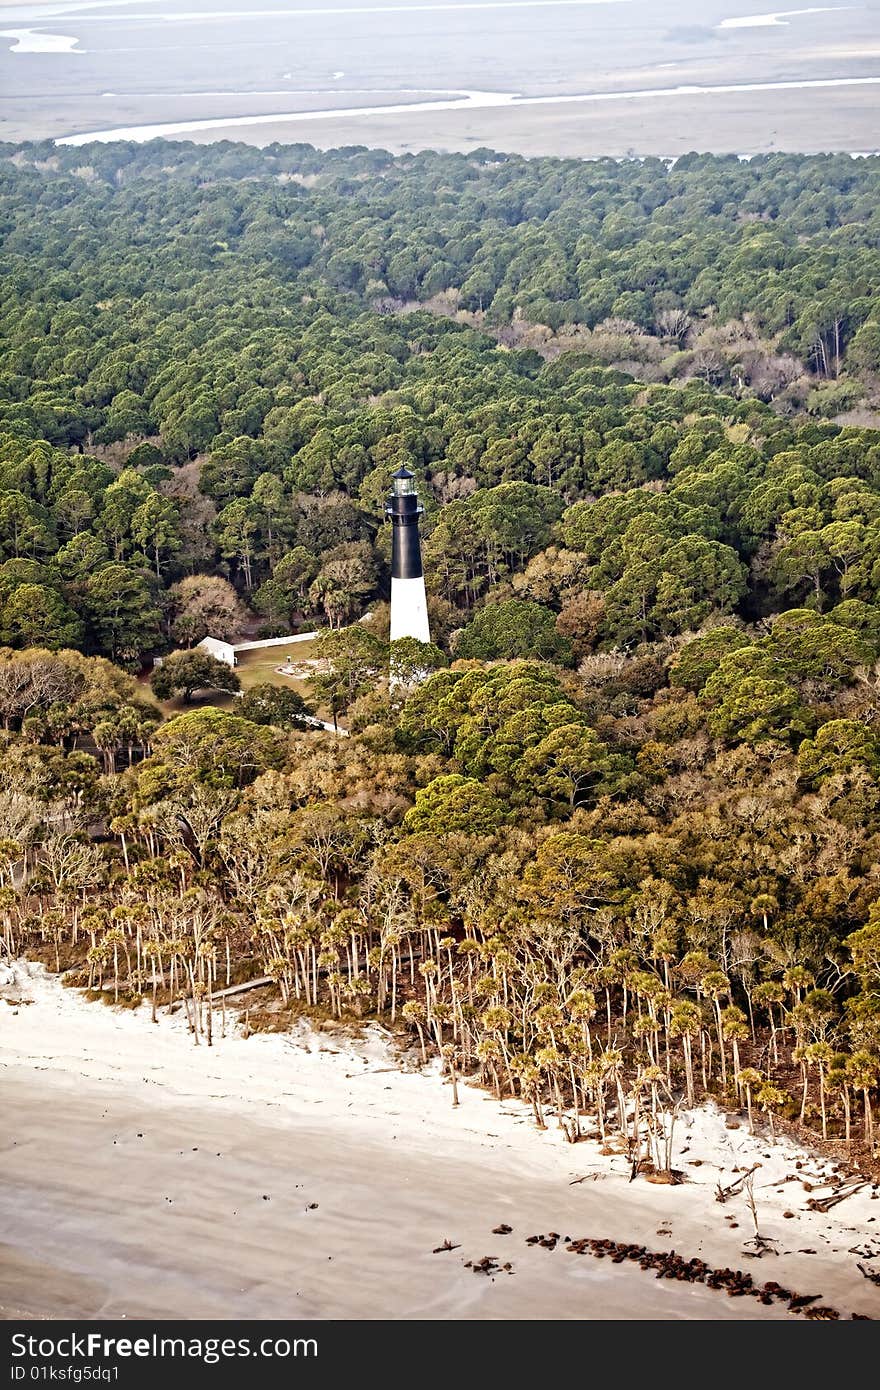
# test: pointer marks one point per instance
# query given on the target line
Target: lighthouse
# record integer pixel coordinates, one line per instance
(409, 608)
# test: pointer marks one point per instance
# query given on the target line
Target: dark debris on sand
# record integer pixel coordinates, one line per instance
(667, 1264)
(488, 1265)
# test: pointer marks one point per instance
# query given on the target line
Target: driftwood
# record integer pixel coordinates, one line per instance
(241, 989)
(761, 1245)
(722, 1193)
(869, 1274)
(840, 1195)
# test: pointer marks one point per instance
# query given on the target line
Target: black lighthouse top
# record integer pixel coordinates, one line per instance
(404, 509)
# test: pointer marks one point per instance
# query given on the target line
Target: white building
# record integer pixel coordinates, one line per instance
(223, 651)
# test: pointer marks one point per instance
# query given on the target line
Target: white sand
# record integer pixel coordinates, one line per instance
(135, 1168)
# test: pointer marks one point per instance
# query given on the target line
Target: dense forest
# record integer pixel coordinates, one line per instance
(623, 839)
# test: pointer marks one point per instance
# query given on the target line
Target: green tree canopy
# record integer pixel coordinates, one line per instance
(183, 673)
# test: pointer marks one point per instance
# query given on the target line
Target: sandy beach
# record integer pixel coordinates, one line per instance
(308, 1176)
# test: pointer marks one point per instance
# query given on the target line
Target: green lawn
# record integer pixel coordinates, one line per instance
(254, 668)
(259, 667)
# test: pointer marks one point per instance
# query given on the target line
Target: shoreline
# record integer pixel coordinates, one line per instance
(148, 1177)
(467, 101)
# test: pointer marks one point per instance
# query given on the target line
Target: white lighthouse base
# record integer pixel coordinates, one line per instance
(409, 610)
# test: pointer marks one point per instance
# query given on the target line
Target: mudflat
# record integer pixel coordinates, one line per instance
(564, 77)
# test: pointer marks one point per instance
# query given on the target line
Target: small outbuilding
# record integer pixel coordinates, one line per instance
(223, 651)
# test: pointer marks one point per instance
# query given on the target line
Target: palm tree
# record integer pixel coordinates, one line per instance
(550, 1061)
(746, 1080)
(686, 1022)
(97, 957)
(771, 1099)
(647, 1028)
(796, 979)
(862, 1070)
(652, 1077)
(736, 1029)
(496, 1021)
(822, 1054)
(488, 1052)
(764, 906)
(529, 1074)
(581, 1006)
(449, 1056)
(838, 1084)
(153, 953)
(612, 1066)
(413, 1012)
(768, 993)
(717, 987)
(594, 1079)
(693, 970)
(577, 1058)
(441, 1014)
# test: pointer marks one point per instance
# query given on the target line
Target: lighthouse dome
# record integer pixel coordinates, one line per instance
(404, 482)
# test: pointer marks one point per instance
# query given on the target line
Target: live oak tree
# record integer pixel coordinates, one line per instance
(183, 673)
(272, 704)
(205, 605)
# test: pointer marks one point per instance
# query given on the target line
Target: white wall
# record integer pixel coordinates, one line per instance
(274, 642)
(409, 610)
(223, 651)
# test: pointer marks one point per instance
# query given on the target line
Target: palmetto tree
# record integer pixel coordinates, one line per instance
(717, 987)
(735, 1030)
(692, 971)
(838, 1084)
(153, 955)
(496, 1021)
(863, 1068)
(764, 906)
(113, 939)
(551, 1062)
(414, 1012)
(530, 1082)
(594, 1079)
(771, 1099)
(449, 1055)
(746, 1080)
(686, 1022)
(797, 979)
(581, 1006)
(488, 1054)
(612, 1062)
(97, 957)
(765, 995)
(647, 1028)
(821, 1054)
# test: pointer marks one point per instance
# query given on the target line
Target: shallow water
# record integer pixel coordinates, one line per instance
(158, 64)
(35, 41)
(466, 102)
